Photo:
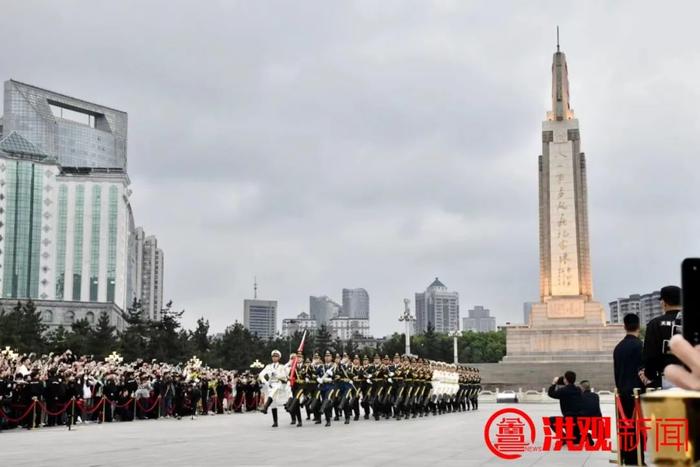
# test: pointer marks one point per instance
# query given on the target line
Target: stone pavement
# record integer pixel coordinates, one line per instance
(247, 439)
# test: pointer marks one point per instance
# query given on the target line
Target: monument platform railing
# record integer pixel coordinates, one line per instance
(539, 397)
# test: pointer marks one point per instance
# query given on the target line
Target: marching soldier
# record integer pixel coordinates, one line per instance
(397, 385)
(297, 390)
(324, 376)
(365, 387)
(274, 379)
(313, 389)
(355, 373)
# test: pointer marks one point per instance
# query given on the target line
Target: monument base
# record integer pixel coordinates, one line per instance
(563, 329)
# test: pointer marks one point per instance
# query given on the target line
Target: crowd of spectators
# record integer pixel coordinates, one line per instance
(49, 390)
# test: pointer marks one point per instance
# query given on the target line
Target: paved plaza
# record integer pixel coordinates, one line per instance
(247, 439)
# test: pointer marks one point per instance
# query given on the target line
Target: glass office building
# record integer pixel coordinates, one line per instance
(63, 231)
(78, 133)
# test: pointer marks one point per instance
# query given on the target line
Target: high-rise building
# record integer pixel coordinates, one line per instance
(67, 235)
(260, 317)
(479, 320)
(646, 306)
(323, 309)
(355, 303)
(149, 271)
(302, 322)
(63, 232)
(75, 132)
(438, 307)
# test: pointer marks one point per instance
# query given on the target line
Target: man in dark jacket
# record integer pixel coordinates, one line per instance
(655, 355)
(570, 402)
(591, 401)
(627, 359)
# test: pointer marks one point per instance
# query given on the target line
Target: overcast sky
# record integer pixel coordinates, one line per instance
(379, 144)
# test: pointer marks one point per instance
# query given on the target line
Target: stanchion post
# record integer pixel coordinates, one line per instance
(159, 401)
(618, 451)
(104, 407)
(135, 402)
(636, 413)
(33, 412)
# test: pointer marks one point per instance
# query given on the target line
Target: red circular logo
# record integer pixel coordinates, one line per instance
(511, 439)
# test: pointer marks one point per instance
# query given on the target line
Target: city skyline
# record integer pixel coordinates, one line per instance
(409, 130)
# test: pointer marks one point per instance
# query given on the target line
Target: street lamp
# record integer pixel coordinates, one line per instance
(407, 318)
(455, 335)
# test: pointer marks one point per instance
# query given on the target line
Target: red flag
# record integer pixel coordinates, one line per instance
(293, 373)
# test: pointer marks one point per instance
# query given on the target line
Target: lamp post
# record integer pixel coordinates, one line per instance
(407, 318)
(455, 335)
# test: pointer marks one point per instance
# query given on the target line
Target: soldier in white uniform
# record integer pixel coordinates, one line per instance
(274, 385)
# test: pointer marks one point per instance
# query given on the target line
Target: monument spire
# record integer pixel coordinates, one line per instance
(561, 109)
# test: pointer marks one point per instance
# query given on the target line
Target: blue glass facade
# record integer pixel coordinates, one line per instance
(101, 142)
(95, 242)
(23, 229)
(112, 242)
(78, 240)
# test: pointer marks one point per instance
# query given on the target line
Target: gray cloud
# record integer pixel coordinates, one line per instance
(321, 145)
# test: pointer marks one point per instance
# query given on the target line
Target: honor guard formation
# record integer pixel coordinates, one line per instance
(340, 387)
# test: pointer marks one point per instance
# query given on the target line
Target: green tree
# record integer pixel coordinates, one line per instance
(77, 340)
(323, 339)
(133, 341)
(236, 348)
(56, 339)
(167, 342)
(102, 339)
(22, 328)
(396, 343)
(201, 342)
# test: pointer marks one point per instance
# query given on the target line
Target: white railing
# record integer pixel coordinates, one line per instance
(539, 397)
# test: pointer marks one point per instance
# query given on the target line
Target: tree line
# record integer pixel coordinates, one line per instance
(166, 340)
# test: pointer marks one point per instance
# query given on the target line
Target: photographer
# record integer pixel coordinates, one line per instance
(655, 355)
(570, 400)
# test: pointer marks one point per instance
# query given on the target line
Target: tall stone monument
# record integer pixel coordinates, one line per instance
(567, 324)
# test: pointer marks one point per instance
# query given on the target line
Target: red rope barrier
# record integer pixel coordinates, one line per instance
(638, 408)
(233, 403)
(155, 404)
(54, 414)
(636, 413)
(122, 406)
(17, 420)
(81, 405)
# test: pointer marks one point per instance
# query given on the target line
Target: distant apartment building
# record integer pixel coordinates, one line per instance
(148, 273)
(438, 307)
(527, 309)
(355, 303)
(303, 322)
(322, 309)
(646, 306)
(479, 320)
(260, 317)
(345, 328)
